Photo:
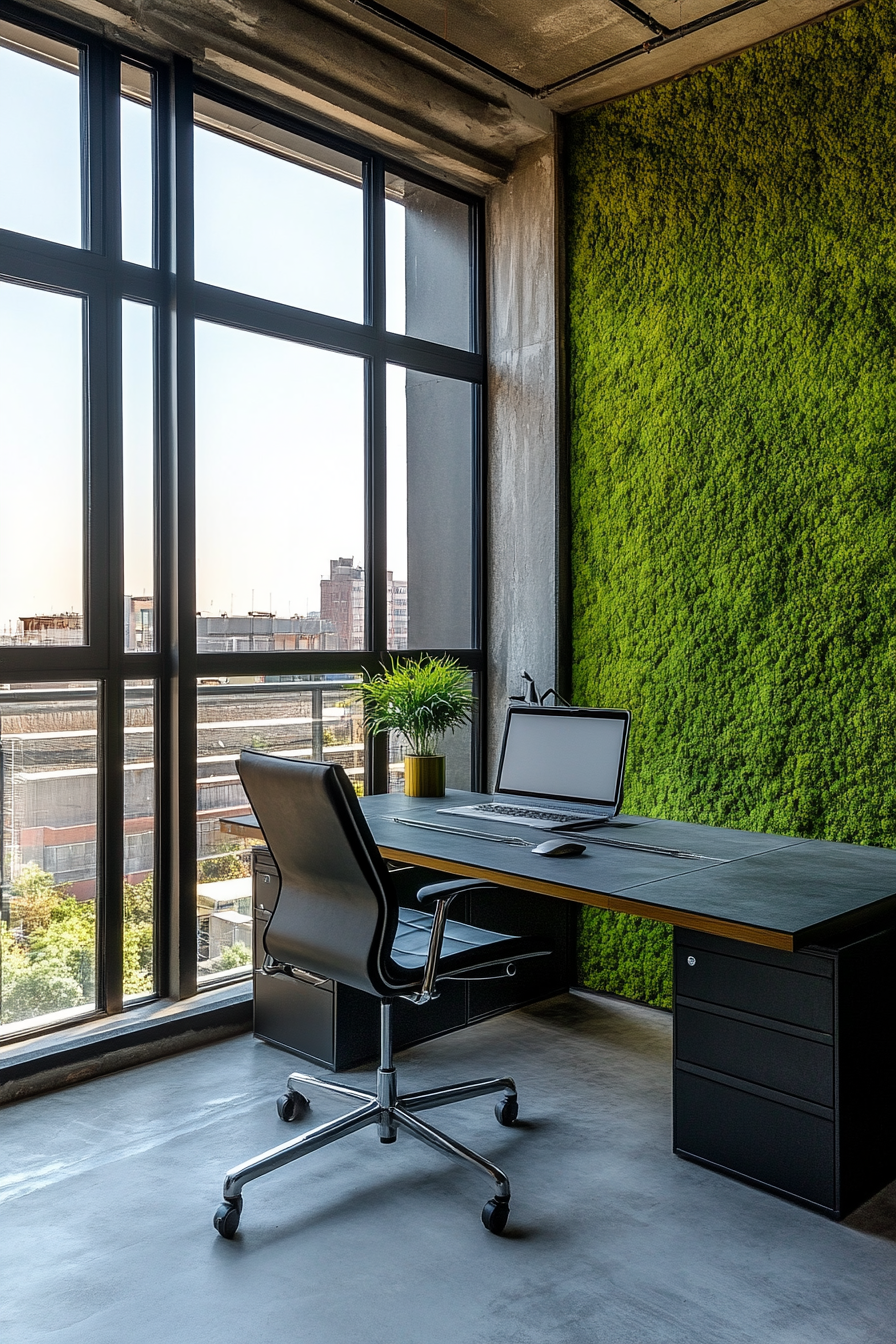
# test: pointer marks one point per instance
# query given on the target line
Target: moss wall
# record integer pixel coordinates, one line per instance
(732, 280)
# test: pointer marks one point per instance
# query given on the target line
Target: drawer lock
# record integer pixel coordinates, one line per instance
(692, 961)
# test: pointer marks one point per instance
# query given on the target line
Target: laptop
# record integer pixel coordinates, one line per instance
(560, 767)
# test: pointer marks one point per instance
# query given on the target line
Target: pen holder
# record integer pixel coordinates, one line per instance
(424, 776)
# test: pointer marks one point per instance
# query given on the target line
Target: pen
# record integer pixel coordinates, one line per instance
(461, 830)
(646, 849)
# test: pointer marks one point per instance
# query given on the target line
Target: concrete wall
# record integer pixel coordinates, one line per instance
(523, 544)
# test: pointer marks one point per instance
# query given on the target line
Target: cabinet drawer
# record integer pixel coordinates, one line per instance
(296, 1015)
(751, 1136)
(752, 987)
(770, 1058)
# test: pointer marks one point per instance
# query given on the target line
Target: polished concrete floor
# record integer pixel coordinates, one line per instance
(108, 1190)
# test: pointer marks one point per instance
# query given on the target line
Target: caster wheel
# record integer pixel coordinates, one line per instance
(507, 1110)
(227, 1219)
(292, 1106)
(494, 1215)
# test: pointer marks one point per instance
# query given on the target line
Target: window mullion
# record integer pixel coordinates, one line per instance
(376, 411)
(375, 563)
(181, 621)
(166, 846)
(108, 552)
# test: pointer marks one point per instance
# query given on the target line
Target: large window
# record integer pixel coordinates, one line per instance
(240, 468)
(42, 493)
(279, 434)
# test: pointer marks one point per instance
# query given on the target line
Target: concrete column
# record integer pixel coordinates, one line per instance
(523, 560)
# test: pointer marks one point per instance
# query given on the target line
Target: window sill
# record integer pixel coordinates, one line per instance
(103, 1045)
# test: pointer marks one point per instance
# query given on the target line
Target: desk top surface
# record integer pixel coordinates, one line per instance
(769, 889)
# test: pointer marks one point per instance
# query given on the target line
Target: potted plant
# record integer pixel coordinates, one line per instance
(423, 699)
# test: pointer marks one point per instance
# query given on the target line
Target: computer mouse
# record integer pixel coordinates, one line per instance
(558, 849)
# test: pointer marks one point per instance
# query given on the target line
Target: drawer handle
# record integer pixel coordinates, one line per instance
(692, 961)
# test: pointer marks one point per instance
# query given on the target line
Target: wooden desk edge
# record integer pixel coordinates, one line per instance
(629, 905)
(682, 919)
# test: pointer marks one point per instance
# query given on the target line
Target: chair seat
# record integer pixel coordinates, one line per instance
(463, 947)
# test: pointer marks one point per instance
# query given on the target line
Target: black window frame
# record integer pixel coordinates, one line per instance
(97, 273)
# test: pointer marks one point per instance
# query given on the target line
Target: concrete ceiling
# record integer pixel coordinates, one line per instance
(576, 53)
(462, 108)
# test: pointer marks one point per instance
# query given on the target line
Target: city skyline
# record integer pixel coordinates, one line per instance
(66, 627)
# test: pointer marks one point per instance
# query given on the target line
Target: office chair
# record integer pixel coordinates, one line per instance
(337, 916)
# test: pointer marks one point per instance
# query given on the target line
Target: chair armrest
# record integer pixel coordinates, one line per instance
(439, 895)
(446, 891)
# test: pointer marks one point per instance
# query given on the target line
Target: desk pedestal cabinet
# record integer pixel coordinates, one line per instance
(338, 1027)
(785, 1065)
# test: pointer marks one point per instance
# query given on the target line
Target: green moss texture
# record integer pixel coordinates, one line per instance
(732, 282)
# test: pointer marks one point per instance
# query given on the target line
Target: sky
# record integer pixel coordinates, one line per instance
(279, 426)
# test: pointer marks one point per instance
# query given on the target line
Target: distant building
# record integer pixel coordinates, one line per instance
(342, 598)
(342, 602)
(397, 611)
(263, 632)
(67, 627)
(64, 627)
(138, 624)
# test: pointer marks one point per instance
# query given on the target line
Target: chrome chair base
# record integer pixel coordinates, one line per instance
(390, 1113)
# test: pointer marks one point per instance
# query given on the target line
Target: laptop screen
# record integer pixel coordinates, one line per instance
(575, 755)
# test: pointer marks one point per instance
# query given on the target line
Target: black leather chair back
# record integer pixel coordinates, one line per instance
(337, 913)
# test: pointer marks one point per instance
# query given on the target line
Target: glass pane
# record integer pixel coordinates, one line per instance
(139, 824)
(138, 443)
(48, 787)
(279, 492)
(42, 467)
(429, 535)
(277, 215)
(317, 718)
(40, 136)
(428, 265)
(136, 165)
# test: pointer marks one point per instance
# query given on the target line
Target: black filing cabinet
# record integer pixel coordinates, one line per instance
(338, 1027)
(785, 1065)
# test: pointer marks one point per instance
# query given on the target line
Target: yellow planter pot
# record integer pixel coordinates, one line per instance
(424, 776)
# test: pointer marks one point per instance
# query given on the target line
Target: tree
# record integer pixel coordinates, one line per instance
(223, 866)
(47, 964)
(30, 986)
(69, 941)
(235, 955)
(138, 936)
(34, 898)
(138, 901)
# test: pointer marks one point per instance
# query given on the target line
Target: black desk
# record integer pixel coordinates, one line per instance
(771, 890)
(785, 1019)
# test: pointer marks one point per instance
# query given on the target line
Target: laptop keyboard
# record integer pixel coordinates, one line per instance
(532, 813)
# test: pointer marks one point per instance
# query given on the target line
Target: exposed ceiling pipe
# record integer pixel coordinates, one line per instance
(642, 16)
(670, 35)
(662, 35)
(408, 26)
